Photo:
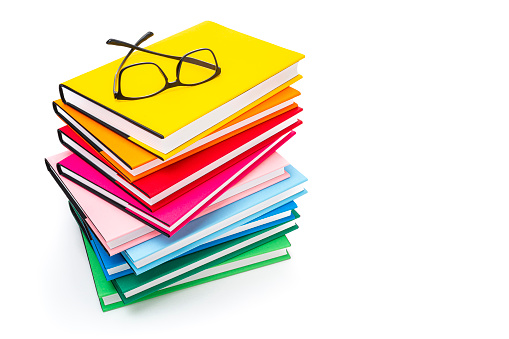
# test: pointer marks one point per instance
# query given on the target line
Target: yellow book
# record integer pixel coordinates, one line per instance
(250, 70)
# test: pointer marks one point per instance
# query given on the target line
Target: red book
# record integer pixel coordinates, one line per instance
(161, 187)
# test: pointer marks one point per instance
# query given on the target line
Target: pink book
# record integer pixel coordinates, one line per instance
(170, 218)
(118, 231)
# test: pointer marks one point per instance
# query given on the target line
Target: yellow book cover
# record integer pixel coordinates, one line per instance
(182, 113)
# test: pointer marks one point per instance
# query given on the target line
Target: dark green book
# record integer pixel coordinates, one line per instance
(133, 287)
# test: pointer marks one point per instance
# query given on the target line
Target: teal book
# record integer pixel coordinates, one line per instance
(133, 287)
(271, 252)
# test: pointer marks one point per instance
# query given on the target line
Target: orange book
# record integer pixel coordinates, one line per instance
(134, 162)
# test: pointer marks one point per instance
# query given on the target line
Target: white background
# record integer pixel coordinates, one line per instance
(405, 231)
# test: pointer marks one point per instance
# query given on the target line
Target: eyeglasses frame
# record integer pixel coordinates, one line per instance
(118, 75)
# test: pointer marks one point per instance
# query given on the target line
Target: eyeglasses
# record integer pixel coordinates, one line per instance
(146, 79)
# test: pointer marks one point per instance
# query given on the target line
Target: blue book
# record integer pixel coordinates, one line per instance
(161, 249)
(263, 222)
(113, 267)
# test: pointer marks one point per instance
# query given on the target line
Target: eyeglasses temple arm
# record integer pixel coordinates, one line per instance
(190, 60)
(116, 42)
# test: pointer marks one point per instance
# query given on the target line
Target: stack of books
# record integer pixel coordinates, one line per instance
(185, 186)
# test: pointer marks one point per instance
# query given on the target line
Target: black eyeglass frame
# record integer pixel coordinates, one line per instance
(118, 75)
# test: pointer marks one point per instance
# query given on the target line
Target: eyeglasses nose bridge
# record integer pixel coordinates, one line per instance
(144, 63)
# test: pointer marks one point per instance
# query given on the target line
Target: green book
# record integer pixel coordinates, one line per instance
(133, 287)
(269, 253)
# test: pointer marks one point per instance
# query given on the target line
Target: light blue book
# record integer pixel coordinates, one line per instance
(284, 214)
(161, 249)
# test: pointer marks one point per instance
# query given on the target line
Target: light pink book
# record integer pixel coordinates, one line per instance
(176, 214)
(118, 231)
